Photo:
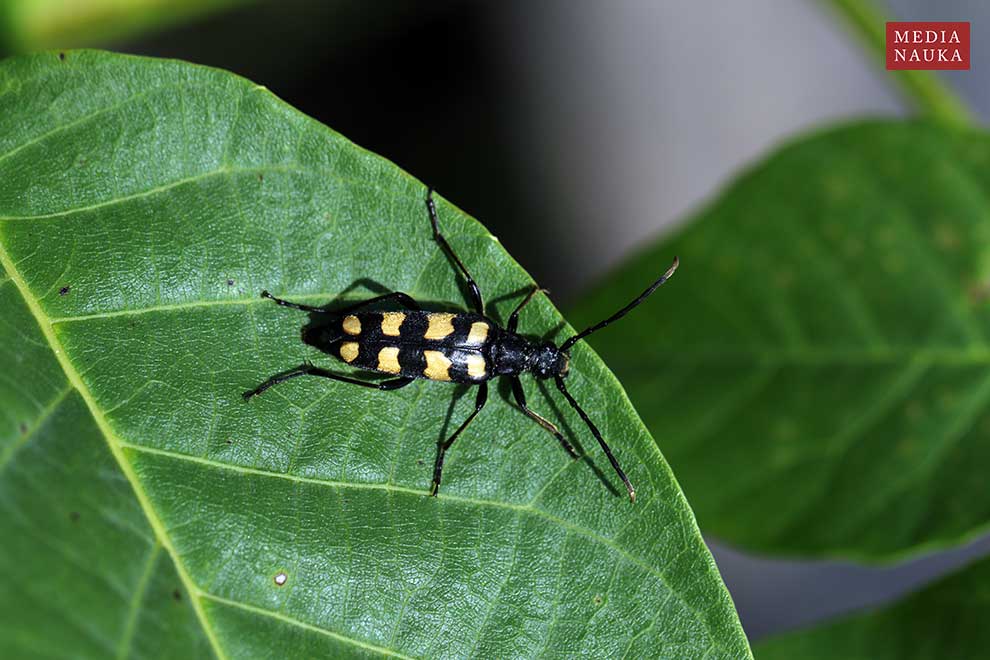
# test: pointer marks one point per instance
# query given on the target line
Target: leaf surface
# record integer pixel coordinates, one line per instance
(817, 369)
(944, 620)
(143, 206)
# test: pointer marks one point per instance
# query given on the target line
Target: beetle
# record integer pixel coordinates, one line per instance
(468, 348)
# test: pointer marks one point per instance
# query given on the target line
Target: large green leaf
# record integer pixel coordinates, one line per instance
(945, 620)
(817, 373)
(145, 507)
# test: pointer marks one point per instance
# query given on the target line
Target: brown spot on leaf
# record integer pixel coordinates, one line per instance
(281, 578)
(61, 57)
(176, 595)
(24, 428)
(64, 290)
(598, 599)
(230, 282)
(261, 177)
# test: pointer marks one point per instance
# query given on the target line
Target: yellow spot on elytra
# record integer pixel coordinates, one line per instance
(391, 322)
(440, 326)
(349, 351)
(478, 333)
(475, 366)
(437, 365)
(352, 325)
(388, 360)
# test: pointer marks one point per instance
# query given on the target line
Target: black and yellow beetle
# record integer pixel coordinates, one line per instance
(468, 348)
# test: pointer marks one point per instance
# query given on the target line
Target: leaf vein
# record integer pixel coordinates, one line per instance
(590, 534)
(151, 192)
(87, 117)
(8, 454)
(137, 600)
(113, 443)
(493, 603)
(302, 624)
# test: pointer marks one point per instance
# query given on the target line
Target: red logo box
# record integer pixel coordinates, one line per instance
(930, 45)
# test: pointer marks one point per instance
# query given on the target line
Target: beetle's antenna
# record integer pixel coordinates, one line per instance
(625, 310)
(594, 429)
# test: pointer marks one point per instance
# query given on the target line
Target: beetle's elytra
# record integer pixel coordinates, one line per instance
(466, 347)
(414, 343)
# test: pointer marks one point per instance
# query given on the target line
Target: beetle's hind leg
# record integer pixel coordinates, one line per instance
(514, 316)
(307, 369)
(292, 305)
(403, 299)
(520, 395)
(442, 447)
(476, 299)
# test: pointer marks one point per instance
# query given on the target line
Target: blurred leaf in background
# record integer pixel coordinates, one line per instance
(148, 510)
(29, 25)
(944, 620)
(817, 376)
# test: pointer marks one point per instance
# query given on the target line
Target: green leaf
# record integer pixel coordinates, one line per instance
(945, 620)
(146, 508)
(817, 370)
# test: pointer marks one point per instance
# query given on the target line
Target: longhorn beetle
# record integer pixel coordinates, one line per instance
(468, 348)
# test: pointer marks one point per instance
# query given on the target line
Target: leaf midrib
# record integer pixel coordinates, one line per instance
(117, 447)
(113, 443)
(527, 509)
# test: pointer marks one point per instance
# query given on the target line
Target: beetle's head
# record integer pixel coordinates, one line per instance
(548, 361)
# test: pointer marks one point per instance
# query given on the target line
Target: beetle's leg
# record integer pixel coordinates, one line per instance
(442, 447)
(286, 303)
(514, 316)
(307, 369)
(403, 299)
(476, 299)
(517, 391)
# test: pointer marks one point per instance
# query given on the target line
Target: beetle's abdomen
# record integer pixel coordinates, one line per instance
(434, 345)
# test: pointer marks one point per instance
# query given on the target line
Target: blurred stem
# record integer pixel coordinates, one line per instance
(30, 25)
(930, 95)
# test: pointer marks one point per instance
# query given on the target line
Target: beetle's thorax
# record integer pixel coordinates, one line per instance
(514, 354)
